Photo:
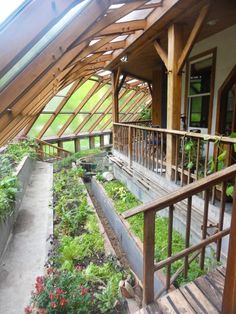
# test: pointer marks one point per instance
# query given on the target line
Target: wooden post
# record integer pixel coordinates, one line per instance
(229, 295)
(156, 96)
(91, 142)
(115, 96)
(175, 47)
(77, 145)
(148, 257)
(101, 140)
(130, 147)
(60, 144)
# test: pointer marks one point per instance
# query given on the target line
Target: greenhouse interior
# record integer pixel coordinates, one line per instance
(117, 156)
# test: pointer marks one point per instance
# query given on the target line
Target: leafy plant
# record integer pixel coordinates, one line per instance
(145, 113)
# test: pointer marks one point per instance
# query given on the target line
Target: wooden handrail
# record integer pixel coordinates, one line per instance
(54, 146)
(184, 192)
(205, 137)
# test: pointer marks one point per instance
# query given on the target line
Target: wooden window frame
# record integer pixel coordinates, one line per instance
(200, 56)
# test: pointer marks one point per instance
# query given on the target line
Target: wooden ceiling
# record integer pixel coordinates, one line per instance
(51, 44)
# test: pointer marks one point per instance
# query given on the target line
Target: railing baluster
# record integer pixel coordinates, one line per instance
(148, 257)
(206, 159)
(187, 234)
(204, 226)
(216, 167)
(221, 218)
(169, 248)
(182, 160)
(162, 144)
(176, 157)
(157, 149)
(198, 157)
(153, 150)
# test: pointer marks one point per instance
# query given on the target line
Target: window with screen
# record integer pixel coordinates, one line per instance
(200, 76)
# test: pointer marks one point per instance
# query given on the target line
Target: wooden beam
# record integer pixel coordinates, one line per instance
(91, 92)
(156, 96)
(93, 111)
(73, 88)
(110, 18)
(229, 295)
(193, 36)
(161, 52)
(122, 28)
(115, 95)
(109, 108)
(175, 47)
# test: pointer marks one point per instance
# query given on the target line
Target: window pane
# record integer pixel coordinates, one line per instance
(200, 77)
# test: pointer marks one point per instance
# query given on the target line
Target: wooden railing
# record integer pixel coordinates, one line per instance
(194, 155)
(190, 252)
(49, 152)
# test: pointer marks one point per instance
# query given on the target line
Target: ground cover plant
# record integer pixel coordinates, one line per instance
(79, 277)
(9, 186)
(123, 200)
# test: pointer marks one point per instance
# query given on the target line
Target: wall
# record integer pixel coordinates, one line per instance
(225, 43)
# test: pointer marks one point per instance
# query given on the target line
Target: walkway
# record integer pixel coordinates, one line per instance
(27, 252)
(202, 296)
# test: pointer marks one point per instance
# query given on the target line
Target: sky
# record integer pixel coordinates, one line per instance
(7, 7)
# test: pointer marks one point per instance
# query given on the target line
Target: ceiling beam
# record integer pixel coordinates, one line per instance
(193, 36)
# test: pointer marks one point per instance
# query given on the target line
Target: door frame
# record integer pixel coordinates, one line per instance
(226, 84)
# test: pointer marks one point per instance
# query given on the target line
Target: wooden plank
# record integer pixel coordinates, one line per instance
(217, 280)
(175, 303)
(210, 291)
(198, 301)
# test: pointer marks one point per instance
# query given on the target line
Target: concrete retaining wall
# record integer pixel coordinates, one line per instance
(23, 172)
(145, 195)
(130, 244)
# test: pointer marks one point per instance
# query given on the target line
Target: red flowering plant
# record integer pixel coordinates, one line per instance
(61, 292)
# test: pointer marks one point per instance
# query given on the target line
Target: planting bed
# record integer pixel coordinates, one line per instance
(16, 163)
(79, 276)
(115, 197)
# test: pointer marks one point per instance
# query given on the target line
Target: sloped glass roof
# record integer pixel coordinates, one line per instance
(8, 8)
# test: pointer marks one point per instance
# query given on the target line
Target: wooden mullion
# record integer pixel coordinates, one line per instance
(93, 111)
(91, 92)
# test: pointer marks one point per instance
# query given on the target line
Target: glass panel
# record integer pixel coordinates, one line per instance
(39, 124)
(95, 99)
(97, 141)
(57, 125)
(8, 7)
(200, 77)
(90, 122)
(41, 44)
(199, 109)
(69, 145)
(74, 124)
(100, 125)
(106, 104)
(53, 104)
(84, 144)
(77, 97)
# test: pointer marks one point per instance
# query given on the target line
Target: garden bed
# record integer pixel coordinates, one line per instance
(79, 277)
(16, 164)
(115, 198)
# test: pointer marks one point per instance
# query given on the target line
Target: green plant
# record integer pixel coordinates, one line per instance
(145, 113)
